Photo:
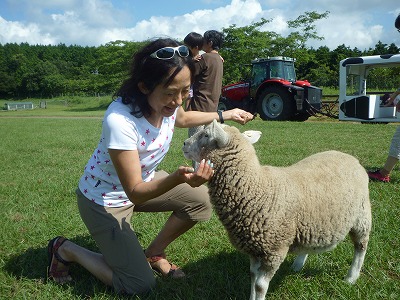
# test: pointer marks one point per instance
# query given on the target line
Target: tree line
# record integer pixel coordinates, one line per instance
(55, 70)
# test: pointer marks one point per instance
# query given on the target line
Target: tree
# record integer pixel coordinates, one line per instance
(242, 44)
(8, 85)
(35, 80)
(393, 49)
(380, 48)
(307, 27)
(323, 76)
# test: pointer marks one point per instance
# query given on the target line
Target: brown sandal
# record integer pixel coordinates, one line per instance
(174, 271)
(53, 271)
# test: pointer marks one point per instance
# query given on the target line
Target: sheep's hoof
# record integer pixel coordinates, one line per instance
(351, 280)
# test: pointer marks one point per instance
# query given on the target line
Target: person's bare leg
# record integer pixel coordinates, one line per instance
(91, 261)
(389, 165)
(173, 228)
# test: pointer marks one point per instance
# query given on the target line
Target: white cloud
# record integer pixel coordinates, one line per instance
(93, 22)
(66, 18)
(17, 32)
(179, 26)
(339, 29)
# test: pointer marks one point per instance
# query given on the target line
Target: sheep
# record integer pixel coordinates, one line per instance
(268, 212)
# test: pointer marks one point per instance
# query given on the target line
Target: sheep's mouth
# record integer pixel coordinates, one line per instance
(186, 154)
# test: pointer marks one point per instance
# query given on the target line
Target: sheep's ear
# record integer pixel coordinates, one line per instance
(219, 134)
(252, 135)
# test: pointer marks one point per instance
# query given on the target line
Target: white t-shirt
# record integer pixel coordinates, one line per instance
(123, 131)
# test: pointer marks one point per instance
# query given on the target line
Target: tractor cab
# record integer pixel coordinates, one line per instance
(273, 68)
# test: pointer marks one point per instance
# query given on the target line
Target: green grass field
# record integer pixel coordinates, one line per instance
(43, 153)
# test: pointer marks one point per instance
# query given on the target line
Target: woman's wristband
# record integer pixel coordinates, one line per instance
(221, 119)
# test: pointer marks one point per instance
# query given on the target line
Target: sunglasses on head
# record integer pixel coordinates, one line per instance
(169, 52)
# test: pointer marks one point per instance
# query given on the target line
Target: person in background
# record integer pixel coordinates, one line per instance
(208, 74)
(194, 41)
(207, 78)
(121, 176)
(383, 174)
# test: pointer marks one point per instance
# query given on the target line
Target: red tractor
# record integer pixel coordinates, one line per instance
(273, 92)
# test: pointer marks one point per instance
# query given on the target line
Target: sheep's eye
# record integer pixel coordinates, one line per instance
(206, 135)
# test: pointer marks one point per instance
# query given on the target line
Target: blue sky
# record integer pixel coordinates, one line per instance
(354, 23)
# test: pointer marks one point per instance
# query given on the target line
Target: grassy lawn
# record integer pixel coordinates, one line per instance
(43, 154)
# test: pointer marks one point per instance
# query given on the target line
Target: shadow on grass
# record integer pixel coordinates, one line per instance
(219, 276)
(32, 264)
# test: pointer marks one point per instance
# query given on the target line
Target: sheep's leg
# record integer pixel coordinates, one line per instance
(255, 264)
(299, 262)
(259, 279)
(360, 249)
(360, 241)
(262, 271)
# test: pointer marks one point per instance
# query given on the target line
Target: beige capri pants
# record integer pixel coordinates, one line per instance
(111, 229)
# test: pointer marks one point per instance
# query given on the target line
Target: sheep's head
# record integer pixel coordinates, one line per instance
(211, 137)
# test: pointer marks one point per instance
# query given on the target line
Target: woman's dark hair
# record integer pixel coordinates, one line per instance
(193, 40)
(150, 72)
(216, 37)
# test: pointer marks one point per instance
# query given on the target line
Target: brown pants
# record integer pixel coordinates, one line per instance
(111, 229)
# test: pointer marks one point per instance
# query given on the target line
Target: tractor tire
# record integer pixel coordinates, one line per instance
(276, 104)
(224, 104)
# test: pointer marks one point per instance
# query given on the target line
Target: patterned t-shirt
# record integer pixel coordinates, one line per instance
(123, 131)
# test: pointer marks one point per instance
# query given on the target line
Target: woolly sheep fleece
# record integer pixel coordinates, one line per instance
(308, 207)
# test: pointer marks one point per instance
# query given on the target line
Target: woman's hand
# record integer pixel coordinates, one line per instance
(197, 57)
(197, 177)
(238, 115)
(389, 102)
(394, 101)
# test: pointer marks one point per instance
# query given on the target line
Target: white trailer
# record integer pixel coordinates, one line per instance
(354, 102)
